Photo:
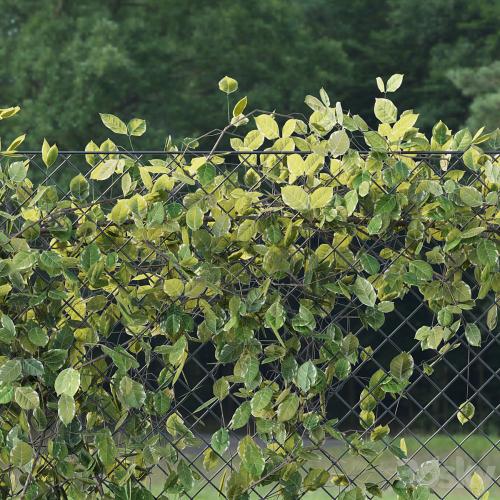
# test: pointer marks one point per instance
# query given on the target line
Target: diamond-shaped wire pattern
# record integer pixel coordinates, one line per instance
(425, 415)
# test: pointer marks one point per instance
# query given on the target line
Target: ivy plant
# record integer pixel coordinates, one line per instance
(108, 293)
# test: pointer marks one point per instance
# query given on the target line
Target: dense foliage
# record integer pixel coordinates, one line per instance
(107, 292)
(64, 61)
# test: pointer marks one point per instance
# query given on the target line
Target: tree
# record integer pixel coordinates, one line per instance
(157, 61)
(482, 86)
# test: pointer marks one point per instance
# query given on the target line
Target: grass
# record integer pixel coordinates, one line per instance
(455, 462)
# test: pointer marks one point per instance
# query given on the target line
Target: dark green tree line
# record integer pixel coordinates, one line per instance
(64, 61)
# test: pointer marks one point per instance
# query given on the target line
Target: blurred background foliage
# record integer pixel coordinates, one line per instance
(64, 61)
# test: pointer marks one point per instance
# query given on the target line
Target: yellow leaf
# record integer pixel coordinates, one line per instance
(295, 197)
(16, 143)
(476, 484)
(296, 166)
(385, 110)
(402, 126)
(173, 287)
(120, 212)
(321, 197)
(394, 82)
(228, 85)
(268, 126)
(289, 127)
(402, 446)
(240, 106)
(106, 169)
(8, 112)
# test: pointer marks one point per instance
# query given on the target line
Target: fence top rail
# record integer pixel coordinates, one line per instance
(252, 152)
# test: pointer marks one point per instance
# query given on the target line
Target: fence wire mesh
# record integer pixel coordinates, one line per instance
(425, 416)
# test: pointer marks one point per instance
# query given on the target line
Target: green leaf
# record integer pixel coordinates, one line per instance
(288, 408)
(177, 351)
(33, 367)
(487, 252)
(342, 368)
(375, 141)
(394, 82)
(306, 376)
(89, 256)
(385, 111)
(370, 264)
(206, 174)
(221, 226)
(473, 335)
(275, 261)
(220, 441)
(295, 197)
(6, 394)
(275, 315)
(402, 366)
(246, 230)
(10, 371)
(465, 412)
(375, 224)
(123, 360)
(185, 476)
(53, 359)
(364, 291)
(421, 269)
(248, 368)
(132, 393)
(21, 454)
(241, 416)
(228, 85)
(106, 448)
(351, 201)
(17, 171)
(206, 404)
(66, 408)
(8, 330)
(439, 132)
(113, 123)
(221, 388)
(338, 143)
(194, 217)
(251, 456)
(471, 196)
(26, 398)
(173, 287)
(315, 479)
(492, 317)
(136, 127)
(261, 399)
(430, 338)
(120, 212)
(321, 197)
(67, 382)
(379, 432)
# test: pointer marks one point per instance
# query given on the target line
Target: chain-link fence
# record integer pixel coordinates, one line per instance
(425, 414)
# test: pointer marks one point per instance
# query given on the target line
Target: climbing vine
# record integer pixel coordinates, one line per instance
(260, 252)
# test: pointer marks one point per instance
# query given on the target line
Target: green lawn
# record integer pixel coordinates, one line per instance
(458, 462)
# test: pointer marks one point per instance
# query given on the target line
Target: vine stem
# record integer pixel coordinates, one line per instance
(30, 475)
